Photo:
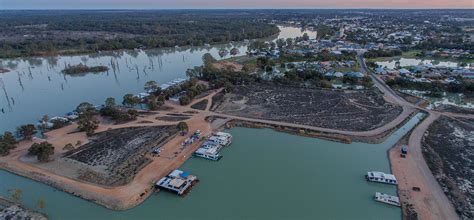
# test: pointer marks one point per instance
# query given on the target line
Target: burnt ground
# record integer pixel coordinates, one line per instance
(448, 148)
(344, 110)
(454, 109)
(113, 157)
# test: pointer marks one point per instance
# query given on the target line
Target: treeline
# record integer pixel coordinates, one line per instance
(50, 32)
(382, 53)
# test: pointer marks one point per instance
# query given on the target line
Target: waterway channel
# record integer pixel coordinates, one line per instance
(264, 174)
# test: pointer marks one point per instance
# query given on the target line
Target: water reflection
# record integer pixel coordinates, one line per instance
(36, 86)
(414, 62)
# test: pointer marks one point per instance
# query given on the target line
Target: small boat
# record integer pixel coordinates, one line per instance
(387, 199)
(380, 177)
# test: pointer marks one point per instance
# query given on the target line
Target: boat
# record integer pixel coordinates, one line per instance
(387, 199)
(381, 177)
(211, 147)
(208, 153)
(177, 181)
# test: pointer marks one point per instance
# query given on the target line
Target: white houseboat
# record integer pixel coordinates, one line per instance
(387, 199)
(177, 181)
(211, 153)
(380, 177)
(210, 148)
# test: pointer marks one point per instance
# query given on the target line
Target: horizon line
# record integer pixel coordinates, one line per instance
(217, 8)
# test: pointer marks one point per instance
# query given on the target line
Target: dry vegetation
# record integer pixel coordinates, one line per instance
(449, 151)
(345, 110)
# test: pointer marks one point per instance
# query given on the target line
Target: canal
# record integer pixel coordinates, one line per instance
(264, 174)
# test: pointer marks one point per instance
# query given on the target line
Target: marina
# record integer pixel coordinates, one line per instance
(330, 190)
(387, 199)
(381, 177)
(210, 149)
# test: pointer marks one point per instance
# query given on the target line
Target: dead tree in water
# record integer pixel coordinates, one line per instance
(2, 85)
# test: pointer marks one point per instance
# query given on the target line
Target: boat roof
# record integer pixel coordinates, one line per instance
(381, 175)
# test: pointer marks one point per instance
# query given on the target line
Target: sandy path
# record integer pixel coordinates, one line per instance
(430, 202)
(122, 197)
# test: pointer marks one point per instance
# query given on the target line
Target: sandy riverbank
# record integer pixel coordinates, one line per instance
(430, 202)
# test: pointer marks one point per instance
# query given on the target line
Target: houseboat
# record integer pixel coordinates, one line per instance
(211, 147)
(211, 153)
(177, 181)
(221, 138)
(387, 199)
(380, 177)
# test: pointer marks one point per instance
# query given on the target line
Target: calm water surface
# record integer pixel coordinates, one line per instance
(36, 86)
(413, 62)
(263, 175)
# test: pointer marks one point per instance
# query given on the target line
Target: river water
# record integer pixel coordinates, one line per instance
(263, 175)
(35, 86)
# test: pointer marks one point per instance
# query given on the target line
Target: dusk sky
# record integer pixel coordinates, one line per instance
(169, 4)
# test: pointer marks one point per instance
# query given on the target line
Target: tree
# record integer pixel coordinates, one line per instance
(87, 124)
(305, 37)
(151, 86)
(110, 103)
(16, 195)
(152, 103)
(7, 143)
(86, 108)
(42, 151)
(195, 72)
(43, 126)
(182, 126)
(130, 100)
(281, 43)
(40, 203)
(184, 100)
(68, 147)
(26, 131)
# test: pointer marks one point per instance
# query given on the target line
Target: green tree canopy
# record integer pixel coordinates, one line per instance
(42, 151)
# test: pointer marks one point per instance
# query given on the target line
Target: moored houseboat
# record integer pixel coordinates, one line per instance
(381, 177)
(177, 181)
(387, 199)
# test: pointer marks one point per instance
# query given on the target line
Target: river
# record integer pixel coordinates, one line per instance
(35, 86)
(264, 174)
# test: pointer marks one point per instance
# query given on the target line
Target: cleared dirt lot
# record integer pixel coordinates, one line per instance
(112, 158)
(448, 148)
(344, 110)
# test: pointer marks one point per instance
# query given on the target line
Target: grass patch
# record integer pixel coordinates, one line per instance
(200, 105)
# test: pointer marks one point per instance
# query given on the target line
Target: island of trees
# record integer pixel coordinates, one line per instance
(81, 68)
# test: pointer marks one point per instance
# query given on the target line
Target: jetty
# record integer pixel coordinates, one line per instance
(387, 199)
(177, 181)
(381, 177)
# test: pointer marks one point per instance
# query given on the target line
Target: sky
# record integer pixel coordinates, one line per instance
(228, 4)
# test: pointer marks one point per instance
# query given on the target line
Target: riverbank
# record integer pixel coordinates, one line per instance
(122, 197)
(13, 210)
(413, 173)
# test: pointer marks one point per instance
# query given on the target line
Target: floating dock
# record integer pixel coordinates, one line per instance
(381, 177)
(177, 181)
(387, 199)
